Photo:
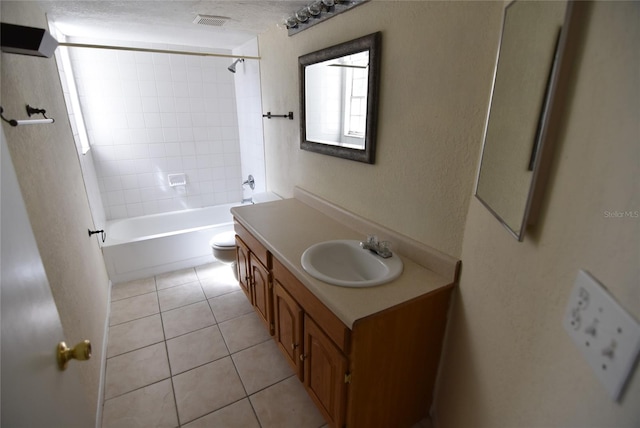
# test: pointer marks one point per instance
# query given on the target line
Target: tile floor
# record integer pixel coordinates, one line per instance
(187, 350)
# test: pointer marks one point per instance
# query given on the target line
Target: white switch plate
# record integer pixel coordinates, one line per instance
(607, 336)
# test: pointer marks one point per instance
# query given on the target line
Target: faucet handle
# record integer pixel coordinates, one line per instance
(384, 249)
(372, 240)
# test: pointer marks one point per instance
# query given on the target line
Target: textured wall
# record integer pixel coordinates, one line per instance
(508, 360)
(50, 179)
(437, 64)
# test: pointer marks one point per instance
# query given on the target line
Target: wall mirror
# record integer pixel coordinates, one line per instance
(525, 78)
(339, 99)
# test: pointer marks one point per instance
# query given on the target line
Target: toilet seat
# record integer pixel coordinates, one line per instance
(223, 241)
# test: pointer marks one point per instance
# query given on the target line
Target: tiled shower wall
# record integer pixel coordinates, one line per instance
(151, 114)
(249, 99)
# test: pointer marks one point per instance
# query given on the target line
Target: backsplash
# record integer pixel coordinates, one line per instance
(151, 114)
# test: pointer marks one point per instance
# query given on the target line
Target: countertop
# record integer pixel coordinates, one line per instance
(288, 227)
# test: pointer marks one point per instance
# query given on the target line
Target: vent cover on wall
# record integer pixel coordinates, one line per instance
(215, 21)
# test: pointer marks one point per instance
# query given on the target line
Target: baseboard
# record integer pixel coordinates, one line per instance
(147, 272)
(103, 362)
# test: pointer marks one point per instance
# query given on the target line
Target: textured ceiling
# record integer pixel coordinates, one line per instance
(168, 21)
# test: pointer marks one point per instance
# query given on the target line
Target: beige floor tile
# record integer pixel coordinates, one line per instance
(187, 319)
(133, 308)
(261, 366)
(179, 277)
(195, 349)
(151, 406)
(135, 334)
(286, 405)
(209, 270)
(222, 283)
(136, 369)
(244, 331)
(180, 295)
(206, 389)
(132, 288)
(230, 305)
(236, 415)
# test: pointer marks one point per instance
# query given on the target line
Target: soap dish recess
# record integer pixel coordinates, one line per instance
(177, 179)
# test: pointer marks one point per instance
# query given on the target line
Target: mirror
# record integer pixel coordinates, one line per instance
(339, 99)
(523, 87)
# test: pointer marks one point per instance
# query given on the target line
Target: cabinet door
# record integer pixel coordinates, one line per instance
(288, 318)
(262, 292)
(242, 266)
(325, 372)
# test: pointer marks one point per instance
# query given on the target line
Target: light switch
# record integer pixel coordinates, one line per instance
(607, 336)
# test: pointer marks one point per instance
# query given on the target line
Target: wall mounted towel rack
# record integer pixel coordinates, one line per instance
(269, 115)
(30, 111)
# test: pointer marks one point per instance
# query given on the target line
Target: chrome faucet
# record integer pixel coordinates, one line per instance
(250, 181)
(381, 248)
(252, 184)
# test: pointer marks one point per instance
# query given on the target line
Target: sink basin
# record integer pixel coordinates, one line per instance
(345, 263)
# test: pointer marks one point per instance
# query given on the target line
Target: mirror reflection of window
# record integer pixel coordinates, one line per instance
(355, 105)
(337, 100)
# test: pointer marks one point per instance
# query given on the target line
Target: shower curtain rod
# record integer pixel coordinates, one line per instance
(126, 48)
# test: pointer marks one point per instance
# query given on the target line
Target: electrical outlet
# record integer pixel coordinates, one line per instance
(607, 336)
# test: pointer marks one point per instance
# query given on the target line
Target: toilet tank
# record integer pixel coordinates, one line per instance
(265, 197)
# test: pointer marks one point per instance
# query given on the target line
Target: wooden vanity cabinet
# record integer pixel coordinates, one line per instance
(242, 267)
(326, 373)
(254, 275)
(379, 373)
(288, 322)
(318, 361)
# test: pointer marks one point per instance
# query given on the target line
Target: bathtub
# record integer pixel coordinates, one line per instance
(140, 247)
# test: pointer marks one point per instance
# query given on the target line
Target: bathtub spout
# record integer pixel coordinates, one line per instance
(247, 200)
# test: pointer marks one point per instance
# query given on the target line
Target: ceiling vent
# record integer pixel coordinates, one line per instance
(212, 20)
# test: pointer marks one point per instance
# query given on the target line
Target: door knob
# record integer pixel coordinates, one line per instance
(81, 352)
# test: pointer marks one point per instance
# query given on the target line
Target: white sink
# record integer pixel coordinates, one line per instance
(345, 263)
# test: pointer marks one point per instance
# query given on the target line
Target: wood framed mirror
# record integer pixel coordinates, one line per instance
(339, 88)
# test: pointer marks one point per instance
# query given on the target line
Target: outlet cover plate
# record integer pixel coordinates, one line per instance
(607, 336)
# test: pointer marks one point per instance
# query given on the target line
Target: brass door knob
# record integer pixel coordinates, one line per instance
(81, 352)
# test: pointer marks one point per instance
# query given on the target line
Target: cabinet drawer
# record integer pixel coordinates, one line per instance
(256, 247)
(332, 326)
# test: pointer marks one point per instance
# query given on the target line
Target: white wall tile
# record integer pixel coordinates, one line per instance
(149, 115)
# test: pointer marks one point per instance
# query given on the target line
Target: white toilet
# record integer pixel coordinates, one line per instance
(223, 246)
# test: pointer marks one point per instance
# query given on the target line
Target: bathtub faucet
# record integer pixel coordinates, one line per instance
(249, 200)
(250, 181)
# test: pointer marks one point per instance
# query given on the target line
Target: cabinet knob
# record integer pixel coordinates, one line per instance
(302, 357)
(294, 346)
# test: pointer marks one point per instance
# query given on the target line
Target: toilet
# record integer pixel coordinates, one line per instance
(223, 246)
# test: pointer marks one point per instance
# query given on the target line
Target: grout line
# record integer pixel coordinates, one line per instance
(229, 354)
(103, 362)
(166, 349)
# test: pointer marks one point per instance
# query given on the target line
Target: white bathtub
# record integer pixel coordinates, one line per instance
(140, 247)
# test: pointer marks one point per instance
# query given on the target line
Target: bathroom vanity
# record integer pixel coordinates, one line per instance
(368, 357)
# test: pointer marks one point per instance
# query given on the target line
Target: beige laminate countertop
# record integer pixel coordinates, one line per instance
(288, 227)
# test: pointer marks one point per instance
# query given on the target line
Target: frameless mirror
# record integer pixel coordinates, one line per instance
(523, 88)
(339, 99)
